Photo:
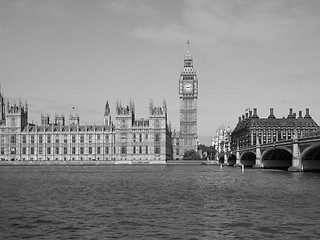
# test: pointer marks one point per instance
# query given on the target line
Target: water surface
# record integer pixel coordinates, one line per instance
(157, 202)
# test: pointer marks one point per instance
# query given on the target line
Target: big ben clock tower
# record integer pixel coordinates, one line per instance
(188, 92)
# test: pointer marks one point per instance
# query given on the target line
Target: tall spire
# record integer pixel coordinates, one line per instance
(164, 105)
(188, 61)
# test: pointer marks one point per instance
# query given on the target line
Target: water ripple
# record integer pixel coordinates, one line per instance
(157, 202)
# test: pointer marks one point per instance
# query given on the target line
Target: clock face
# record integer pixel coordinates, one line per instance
(123, 123)
(13, 122)
(157, 123)
(188, 87)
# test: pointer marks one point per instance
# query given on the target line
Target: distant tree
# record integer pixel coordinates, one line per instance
(191, 155)
(210, 150)
(202, 147)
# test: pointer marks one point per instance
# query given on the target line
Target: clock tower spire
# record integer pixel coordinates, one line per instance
(188, 92)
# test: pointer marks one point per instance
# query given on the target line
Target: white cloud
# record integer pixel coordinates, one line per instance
(130, 7)
(247, 21)
(218, 24)
(53, 9)
(171, 33)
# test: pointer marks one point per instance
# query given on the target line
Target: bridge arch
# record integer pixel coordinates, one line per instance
(248, 159)
(231, 159)
(277, 158)
(310, 158)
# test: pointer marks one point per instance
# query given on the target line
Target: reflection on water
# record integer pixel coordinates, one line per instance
(157, 202)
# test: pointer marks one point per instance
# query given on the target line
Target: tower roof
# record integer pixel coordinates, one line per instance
(188, 62)
(188, 56)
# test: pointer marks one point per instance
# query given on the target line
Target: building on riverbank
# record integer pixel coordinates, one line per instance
(123, 139)
(222, 140)
(252, 130)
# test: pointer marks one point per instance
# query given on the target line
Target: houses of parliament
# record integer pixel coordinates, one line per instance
(122, 139)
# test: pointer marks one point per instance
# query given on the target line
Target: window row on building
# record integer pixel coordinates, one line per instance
(252, 130)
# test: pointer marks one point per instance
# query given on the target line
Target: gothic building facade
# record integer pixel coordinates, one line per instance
(221, 141)
(123, 139)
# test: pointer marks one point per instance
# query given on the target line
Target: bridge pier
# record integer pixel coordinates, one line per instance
(295, 155)
(296, 158)
(259, 163)
(238, 163)
(225, 158)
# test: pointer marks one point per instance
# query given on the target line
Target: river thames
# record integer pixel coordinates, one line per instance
(157, 202)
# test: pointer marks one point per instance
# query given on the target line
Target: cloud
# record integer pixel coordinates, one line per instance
(248, 22)
(283, 102)
(52, 9)
(130, 7)
(215, 24)
(305, 78)
(171, 33)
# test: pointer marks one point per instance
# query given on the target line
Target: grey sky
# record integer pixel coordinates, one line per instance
(247, 53)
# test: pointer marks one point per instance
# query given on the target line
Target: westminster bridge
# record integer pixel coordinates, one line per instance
(297, 154)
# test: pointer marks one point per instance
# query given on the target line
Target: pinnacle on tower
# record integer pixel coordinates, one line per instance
(164, 105)
(107, 109)
(150, 106)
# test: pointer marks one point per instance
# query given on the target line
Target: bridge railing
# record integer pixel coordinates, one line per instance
(269, 144)
(311, 138)
(311, 134)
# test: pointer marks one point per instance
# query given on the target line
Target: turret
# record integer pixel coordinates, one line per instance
(158, 115)
(164, 106)
(107, 109)
(150, 107)
(125, 115)
(59, 120)
(74, 119)
(2, 106)
(107, 115)
(18, 114)
(45, 120)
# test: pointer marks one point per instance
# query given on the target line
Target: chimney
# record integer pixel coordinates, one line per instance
(247, 115)
(307, 113)
(271, 113)
(255, 115)
(290, 113)
(300, 114)
(250, 113)
(242, 116)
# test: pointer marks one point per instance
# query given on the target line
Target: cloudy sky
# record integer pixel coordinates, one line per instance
(247, 53)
